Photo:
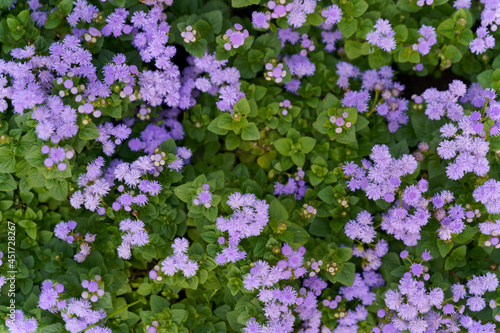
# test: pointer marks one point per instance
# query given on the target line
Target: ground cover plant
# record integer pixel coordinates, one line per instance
(249, 166)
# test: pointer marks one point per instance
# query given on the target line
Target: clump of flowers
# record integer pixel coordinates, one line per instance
(94, 289)
(286, 105)
(57, 155)
(120, 132)
(178, 262)
(235, 37)
(382, 178)
(134, 234)
(296, 186)
(250, 216)
(372, 256)
(189, 34)
(482, 42)
(361, 228)
(204, 197)
(428, 39)
(20, 323)
(274, 71)
(489, 195)
(468, 147)
(65, 232)
(332, 14)
(382, 36)
(77, 314)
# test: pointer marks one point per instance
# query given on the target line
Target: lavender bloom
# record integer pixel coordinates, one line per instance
(428, 39)
(178, 262)
(62, 231)
(482, 42)
(382, 36)
(249, 218)
(382, 179)
(361, 228)
(332, 14)
(489, 195)
(20, 324)
(135, 234)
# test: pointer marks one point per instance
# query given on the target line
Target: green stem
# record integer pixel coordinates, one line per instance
(113, 314)
(377, 94)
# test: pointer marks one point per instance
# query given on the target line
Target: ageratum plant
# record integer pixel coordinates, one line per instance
(249, 166)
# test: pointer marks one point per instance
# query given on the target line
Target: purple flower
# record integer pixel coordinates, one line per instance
(382, 36)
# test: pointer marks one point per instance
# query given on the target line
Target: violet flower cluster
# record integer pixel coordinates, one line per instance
(482, 42)
(493, 229)
(203, 197)
(178, 262)
(134, 234)
(382, 36)
(361, 291)
(406, 220)
(390, 105)
(94, 289)
(381, 178)
(441, 102)
(296, 186)
(250, 216)
(428, 39)
(120, 133)
(279, 302)
(62, 231)
(451, 217)
(97, 184)
(372, 256)
(21, 324)
(235, 37)
(361, 228)
(466, 146)
(489, 195)
(77, 314)
(419, 310)
(264, 276)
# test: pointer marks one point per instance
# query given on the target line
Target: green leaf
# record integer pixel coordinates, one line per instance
(242, 106)
(60, 190)
(344, 253)
(243, 3)
(214, 18)
(444, 248)
(346, 274)
(451, 52)
(360, 8)
(144, 289)
(459, 252)
(89, 132)
(352, 49)
(66, 6)
(232, 141)
(225, 121)
(348, 28)
(54, 20)
(315, 19)
(307, 144)
(299, 159)
(158, 303)
(250, 132)
(277, 211)
(178, 315)
(327, 195)
(450, 263)
(7, 161)
(283, 146)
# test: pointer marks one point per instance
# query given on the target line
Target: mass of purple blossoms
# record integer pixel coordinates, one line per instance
(250, 216)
